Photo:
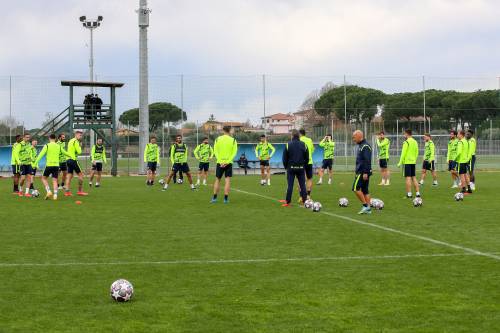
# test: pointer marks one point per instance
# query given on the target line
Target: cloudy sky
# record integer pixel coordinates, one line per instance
(222, 47)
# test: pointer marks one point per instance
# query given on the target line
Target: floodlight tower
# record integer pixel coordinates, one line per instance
(91, 25)
(143, 13)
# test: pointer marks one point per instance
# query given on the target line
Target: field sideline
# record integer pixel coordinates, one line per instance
(251, 265)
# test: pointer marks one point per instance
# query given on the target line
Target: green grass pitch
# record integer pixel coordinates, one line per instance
(251, 265)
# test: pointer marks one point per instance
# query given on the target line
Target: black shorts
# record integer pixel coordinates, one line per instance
(264, 163)
(382, 163)
(73, 167)
(226, 171)
(308, 168)
(97, 166)
(33, 171)
(463, 168)
(152, 166)
(63, 166)
(472, 165)
(26, 169)
(16, 170)
(327, 164)
(51, 171)
(409, 170)
(183, 167)
(428, 165)
(452, 165)
(360, 184)
(203, 166)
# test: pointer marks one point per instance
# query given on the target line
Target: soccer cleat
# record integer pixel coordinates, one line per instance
(282, 201)
(48, 195)
(381, 183)
(286, 205)
(421, 182)
(435, 184)
(365, 210)
(59, 187)
(82, 194)
(319, 183)
(97, 185)
(68, 194)
(214, 200)
(454, 186)
(20, 193)
(226, 201)
(27, 195)
(387, 183)
(329, 182)
(90, 184)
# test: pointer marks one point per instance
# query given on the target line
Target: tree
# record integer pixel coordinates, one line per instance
(361, 103)
(159, 113)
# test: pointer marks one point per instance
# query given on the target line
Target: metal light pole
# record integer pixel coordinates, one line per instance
(143, 13)
(91, 25)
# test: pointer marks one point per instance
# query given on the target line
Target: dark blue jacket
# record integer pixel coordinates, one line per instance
(295, 154)
(364, 158)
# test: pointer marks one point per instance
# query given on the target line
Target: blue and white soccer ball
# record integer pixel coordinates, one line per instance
(121, 290)
(308, 204)
(343, 202)
(418, 202)
(35, 193)
(459, 196)
(316, 207)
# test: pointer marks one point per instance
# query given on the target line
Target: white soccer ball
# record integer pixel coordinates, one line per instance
(121, 290)
(308, 204)
(162, 181)
(418, 202)
(343, 202)
(377, 204)
(180, 181)
(316, 207)
(35, 193)
(459, 196)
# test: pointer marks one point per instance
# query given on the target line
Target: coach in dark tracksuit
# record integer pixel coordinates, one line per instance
(295, 157)
(363, 171)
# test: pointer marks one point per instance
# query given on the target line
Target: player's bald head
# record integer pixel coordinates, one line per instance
(358, 136)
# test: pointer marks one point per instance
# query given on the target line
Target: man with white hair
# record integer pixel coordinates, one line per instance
(363, 171)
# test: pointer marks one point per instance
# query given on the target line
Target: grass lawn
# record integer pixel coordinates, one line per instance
(251, 265)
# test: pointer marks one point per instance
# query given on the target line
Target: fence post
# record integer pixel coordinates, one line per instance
(345, 121)
(10, 110)
(423, 87)
(264, 101)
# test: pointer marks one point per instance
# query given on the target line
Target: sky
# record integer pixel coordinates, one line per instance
(223, 47)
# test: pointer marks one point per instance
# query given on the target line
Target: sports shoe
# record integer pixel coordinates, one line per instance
(365, 210)
(226, 201)
(329, 182)
(82, 194)
(282, 201)
(27, 195)
(285, 205)
(214, 200)
(319, 183)
(381, 183)
(20, 193)
(48, 195)
(59, 187)
(387, 183)
(68, 194)
(97, 185)
(90, 184)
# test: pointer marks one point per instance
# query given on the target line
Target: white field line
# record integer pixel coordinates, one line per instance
(396, 231)
(237, 261)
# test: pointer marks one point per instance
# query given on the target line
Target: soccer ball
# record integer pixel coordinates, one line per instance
(180, 181)
(316, 207)
(459, 196)
(162, 181)
(35, 193)
(308, 204)
(377, 204)
(343, 202)
(121, 290)
(418, 202)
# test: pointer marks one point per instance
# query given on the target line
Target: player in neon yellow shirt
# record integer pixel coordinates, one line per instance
(463, 159)
(16, 173)
(472, 152)
(225, 150)
(429, 158)
(63, 166)
(309, 167)
(53, 151)
(409, 156)
(450, 157)
(383, 145)
(152, 160)
(203, 153)
(178, 157)
(33, 154)
(74, 150)
(328, 146)
(22, 156)
(264, 151)
(98, 158)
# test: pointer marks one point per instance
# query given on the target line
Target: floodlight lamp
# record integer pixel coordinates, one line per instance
(99, 18)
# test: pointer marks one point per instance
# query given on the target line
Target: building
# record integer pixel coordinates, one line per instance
(216, 126)
(279, 123)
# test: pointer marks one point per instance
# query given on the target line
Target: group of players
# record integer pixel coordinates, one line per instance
(62, 163)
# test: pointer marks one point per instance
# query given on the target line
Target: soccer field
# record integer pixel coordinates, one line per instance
(251, 265)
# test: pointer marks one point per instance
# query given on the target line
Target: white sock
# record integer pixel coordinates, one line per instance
(165, 186)
(192, 185)
(409, 194)
(204, 182)
(269, 182)
(27, 190)
(47, 188)
(417, 194)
